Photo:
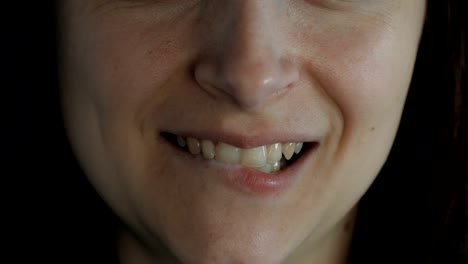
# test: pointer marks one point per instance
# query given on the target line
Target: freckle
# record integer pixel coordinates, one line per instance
(372, 128)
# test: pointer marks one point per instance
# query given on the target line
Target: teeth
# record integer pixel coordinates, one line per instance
(181, 141)
(298, 147)
(268, 168)
(274, 153)
(193, 145)
(267, 158)
(208, 149)
(227, 154)
(288, 150)
(276, 167)
(254, 157)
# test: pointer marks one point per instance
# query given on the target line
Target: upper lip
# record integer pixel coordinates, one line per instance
(246, 140)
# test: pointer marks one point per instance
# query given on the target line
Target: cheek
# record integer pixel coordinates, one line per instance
(112, 74)
(364, 80)
(367, 78)
(123, 74)
(121, 68)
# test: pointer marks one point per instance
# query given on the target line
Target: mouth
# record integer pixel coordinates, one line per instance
(269, 159)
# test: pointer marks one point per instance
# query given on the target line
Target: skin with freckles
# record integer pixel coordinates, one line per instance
(335, 72)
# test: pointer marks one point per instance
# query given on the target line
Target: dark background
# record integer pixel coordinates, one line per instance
(49, 214)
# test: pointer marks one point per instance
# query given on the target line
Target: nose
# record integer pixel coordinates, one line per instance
(246, 58)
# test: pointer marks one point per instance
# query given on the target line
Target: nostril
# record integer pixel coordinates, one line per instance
(247, 77)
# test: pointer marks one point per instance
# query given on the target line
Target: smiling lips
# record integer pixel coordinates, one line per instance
(268, 158)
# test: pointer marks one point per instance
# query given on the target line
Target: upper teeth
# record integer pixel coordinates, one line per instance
(266, 158)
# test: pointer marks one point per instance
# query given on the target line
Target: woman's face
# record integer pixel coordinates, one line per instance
(232, 76)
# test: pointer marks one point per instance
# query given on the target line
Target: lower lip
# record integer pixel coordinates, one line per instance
(249, 180)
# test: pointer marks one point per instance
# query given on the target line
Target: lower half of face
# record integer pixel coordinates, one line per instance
(241, 134)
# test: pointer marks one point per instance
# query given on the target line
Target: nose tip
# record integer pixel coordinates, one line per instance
(248, 84)
(250, 63)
